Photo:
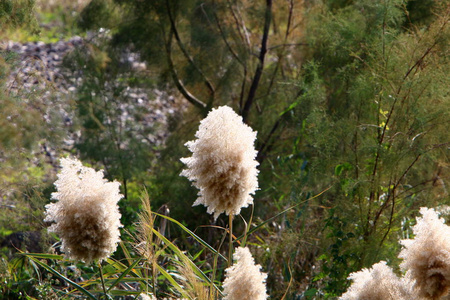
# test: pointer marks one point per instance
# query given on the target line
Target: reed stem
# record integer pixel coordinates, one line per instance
(230, 250)
(103, 280)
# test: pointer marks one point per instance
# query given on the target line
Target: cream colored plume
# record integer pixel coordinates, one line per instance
(376, 283)
(86, 216)
(244, 280)
(147, 297)
(223, 165)
(426, 258)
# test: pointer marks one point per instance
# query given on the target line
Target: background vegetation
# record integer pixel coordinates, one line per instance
(351, 97)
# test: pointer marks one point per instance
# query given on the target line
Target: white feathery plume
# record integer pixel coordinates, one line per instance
(426, 258)
(223, 165)
(86, 216)
(376, 283)
(244, 280)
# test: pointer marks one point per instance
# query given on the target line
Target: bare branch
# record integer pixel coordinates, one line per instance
(181, 88)
(284, 45)
(245, 39)
(173, 27)
(259, 68)
(265, 145)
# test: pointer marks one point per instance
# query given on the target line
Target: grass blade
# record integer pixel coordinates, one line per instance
(196, 237)
(178, 252)
(45, 256)
(172, 281)
(124, 274)
(62, 277)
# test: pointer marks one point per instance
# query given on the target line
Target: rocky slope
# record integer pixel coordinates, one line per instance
(38, 74)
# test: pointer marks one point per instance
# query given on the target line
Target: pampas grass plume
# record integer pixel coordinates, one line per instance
(244, 280)
(376, 283)
(426, 258)
(147, 297)
(86, 216)
(223, 165)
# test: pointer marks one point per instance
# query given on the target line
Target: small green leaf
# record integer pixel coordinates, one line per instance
(310, 293)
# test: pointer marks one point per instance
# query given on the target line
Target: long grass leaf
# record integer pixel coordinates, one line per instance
(182, 255)
(57, 274)
(124, 274)
(196, 237)
(119, 266)
(172, 281)
(45, 256)
(198, 254)
(126, 252)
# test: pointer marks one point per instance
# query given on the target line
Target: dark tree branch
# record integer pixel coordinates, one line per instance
(173, 27)
(283, 46)
(259, 68)
(181, 88)
(392, 194)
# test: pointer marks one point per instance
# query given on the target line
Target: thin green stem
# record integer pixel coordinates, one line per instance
(154, 276)
(247, 226)
(102, 279)
(245, 231)
(216, 257)
(230, 250)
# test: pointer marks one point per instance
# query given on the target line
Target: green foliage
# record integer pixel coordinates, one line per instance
(98, 14)
(421, 12)
(25, 172)
(373, 130)
(18, 14)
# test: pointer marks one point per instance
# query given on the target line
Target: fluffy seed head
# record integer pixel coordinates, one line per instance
(244, 280)
(426, 258)
(376, 283)
(147, 297)
(86, 216)
(223, 165)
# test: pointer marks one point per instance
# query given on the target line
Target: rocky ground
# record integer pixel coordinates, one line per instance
(39, 74)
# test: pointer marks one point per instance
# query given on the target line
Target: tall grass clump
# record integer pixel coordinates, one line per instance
(87, 220)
